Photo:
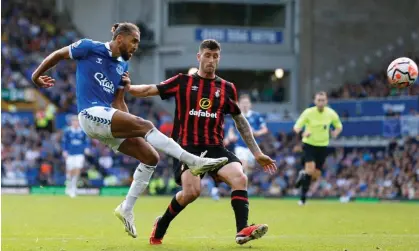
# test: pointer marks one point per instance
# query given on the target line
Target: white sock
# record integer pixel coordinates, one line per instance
(67, 181)
(73, 185)
(142, 176)
(167, 145)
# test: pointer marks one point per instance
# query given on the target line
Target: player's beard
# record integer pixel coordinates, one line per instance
(124, 53)
(210, 70)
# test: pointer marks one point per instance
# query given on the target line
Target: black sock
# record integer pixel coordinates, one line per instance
(305, 187)
(172, 211)
(240, 204)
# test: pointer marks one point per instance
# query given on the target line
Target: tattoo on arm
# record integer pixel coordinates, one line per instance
(246, 132)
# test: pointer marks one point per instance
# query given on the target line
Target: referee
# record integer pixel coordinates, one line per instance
(316, 121)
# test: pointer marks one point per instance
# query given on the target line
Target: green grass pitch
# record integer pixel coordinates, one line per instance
(59, 223)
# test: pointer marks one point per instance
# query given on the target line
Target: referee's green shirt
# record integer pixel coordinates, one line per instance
(318, 124)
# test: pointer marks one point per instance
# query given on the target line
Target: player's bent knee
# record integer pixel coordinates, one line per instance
(190, 194)
(151, 158)
(241, 180)
(144, 125)
(310, 167)
(238, 182)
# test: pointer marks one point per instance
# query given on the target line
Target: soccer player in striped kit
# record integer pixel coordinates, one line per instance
(202, 100)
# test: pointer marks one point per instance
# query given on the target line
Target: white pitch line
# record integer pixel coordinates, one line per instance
(37, 239)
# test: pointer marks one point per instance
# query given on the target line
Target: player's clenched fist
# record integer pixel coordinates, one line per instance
(126, 81)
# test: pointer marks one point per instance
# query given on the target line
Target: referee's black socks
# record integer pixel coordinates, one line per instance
(172, 211)
(305, 187)
(240, 204)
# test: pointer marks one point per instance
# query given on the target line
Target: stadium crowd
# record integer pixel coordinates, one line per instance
(30, 31)
(374, 84)
(32, 156)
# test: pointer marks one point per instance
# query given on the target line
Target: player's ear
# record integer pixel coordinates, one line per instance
(198, 56)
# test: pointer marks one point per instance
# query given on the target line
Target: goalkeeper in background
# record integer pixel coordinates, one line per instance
(316, 122)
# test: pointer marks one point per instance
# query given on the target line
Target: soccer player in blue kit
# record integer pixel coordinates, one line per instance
(102, 73)
(259, 128)
(75, 144)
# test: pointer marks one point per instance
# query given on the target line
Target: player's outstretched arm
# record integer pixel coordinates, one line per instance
(142, 91)
(245, 130)
(48, 63)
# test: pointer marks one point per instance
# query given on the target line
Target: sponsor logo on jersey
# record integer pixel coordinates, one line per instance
(106, 84)
(200, 113)
(205, 103)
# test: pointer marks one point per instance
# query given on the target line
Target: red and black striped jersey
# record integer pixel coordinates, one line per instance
(200, 108)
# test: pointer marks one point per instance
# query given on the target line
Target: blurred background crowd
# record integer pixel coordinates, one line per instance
(32, 152)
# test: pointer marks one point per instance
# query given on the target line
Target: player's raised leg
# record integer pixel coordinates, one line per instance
(141, 150)
(191, 189)
(233, 175)
(125, 125)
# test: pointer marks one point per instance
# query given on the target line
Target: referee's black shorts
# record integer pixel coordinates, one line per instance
(318, 154)
(212, 152)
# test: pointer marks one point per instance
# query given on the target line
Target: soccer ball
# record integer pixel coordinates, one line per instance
(402, 72)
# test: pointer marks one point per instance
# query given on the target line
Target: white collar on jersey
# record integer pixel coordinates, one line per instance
(248, 114)
(110, 52)
(73, 130)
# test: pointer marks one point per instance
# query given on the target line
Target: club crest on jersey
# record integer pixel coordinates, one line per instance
(120, 69)
(217, 93)
(106, 84)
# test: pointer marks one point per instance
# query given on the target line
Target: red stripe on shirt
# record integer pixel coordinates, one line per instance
(178, 109)
(234, 91)
(185, 123)
(219, 115)
(207, 120)
(196, 119)
(172, 90)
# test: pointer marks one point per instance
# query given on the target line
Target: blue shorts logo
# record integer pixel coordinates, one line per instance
(107, 109)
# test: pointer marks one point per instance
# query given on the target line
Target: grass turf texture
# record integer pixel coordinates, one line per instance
(59, 223)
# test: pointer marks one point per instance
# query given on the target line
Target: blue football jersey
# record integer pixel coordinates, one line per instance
(74, 141)
(256, 122)
(98, 73)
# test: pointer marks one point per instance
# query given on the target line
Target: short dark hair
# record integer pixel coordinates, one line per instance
(210, 44)
(124, 29)
(321, 93)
